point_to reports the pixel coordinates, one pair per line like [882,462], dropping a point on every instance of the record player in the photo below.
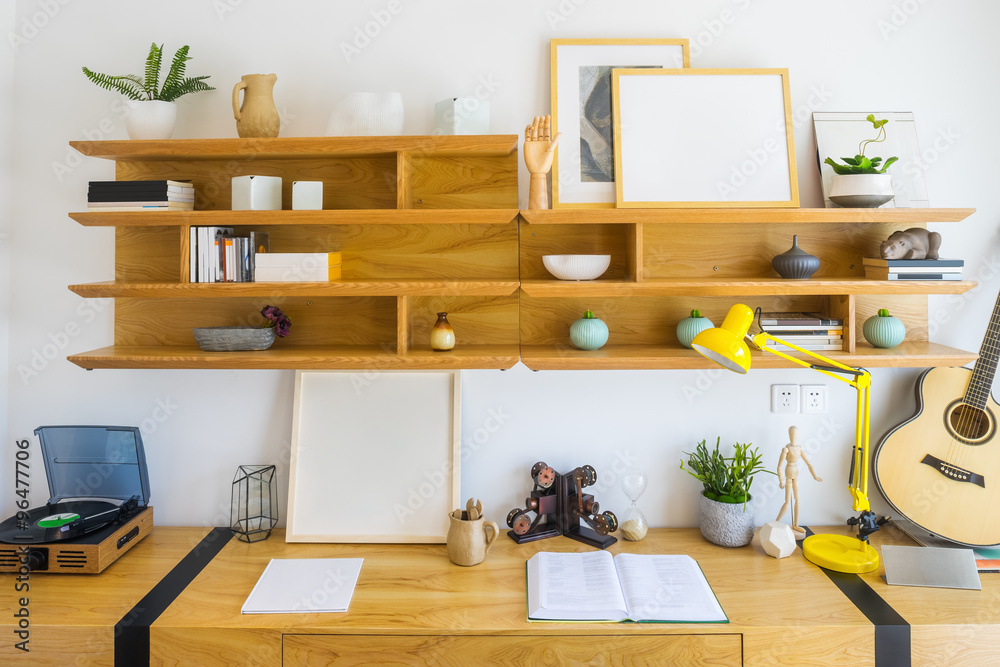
[98,504]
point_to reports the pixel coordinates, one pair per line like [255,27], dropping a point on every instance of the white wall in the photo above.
[934,59]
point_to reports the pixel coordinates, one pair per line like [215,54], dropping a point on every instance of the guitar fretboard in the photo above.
[986,366]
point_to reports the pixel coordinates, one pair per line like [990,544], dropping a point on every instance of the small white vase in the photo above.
[367,115]
[861,190]
[150,119]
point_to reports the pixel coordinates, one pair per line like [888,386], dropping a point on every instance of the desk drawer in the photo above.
[508,650]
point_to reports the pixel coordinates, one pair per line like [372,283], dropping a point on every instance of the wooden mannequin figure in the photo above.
[539,149]
[788,478]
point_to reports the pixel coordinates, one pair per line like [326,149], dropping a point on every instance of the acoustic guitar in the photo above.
[941,468]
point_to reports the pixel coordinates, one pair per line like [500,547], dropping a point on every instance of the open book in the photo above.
[596,586]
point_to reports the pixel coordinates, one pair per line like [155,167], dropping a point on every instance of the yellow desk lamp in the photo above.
[726,346]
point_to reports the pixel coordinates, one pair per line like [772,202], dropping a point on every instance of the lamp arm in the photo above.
[861,380]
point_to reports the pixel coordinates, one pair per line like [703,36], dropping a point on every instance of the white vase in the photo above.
[861,190]
[150,119]
[367,115]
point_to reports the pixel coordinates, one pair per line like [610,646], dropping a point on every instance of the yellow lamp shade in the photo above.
[726,345]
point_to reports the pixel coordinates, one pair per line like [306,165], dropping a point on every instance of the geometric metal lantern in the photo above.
[254,509]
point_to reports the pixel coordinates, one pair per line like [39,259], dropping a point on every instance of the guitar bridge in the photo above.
[954,472]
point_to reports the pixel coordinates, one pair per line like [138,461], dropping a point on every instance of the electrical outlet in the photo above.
[784,398]
[814,398]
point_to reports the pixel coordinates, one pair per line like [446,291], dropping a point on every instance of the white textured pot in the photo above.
[726,524]
[367,115]
[150,119]
[861,190]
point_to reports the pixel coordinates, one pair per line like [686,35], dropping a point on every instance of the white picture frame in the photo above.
[375,456]
[839,133]
[692,138]
[585,178]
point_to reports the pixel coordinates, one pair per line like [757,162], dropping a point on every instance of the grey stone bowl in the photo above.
[233,339]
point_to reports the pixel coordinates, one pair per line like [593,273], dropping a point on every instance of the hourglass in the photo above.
[634,524]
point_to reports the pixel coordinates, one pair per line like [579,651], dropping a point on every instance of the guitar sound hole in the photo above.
[971,425]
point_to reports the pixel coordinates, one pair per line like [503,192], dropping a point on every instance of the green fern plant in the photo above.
[148,87]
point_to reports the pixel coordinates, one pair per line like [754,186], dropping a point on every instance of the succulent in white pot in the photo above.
[151,108]
[862,182]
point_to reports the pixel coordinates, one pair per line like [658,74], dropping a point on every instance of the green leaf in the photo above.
[853,161]
[177,67]
[875,161]
[130,85]
[865,164]
[886,165]
[153,70]
[870,118]
[191,85]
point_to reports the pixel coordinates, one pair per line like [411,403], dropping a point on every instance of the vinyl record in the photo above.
[58,521]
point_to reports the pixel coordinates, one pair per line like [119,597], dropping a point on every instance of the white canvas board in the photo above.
[838,135]
[704,137]
[375,456]
[583,170]
[304,586]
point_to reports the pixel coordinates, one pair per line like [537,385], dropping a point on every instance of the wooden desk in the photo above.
[411,599]
[73,616]
[413,606]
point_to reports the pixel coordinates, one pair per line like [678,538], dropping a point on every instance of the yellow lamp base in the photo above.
[840,553]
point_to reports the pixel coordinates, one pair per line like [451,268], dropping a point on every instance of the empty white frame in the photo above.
[375,456]
[583,168]
[838,135]
[703,138]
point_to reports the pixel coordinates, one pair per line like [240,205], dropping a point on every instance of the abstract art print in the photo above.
[583,173]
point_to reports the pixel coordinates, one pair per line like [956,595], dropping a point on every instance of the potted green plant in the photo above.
[726,518]
[862,182]
[151,108]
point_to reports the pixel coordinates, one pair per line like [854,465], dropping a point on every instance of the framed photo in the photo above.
[583,169]
[838,135]
[689,138]
[375,456]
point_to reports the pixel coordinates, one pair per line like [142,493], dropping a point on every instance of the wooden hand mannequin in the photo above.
[539,149]
[788,478]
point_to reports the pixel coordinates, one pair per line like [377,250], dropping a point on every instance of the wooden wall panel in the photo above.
[469,182]
[147,254]
[476,320]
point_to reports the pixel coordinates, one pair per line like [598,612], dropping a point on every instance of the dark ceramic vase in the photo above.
[795,263]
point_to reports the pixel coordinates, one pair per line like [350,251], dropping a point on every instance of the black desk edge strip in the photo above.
[892,632]
[132,632]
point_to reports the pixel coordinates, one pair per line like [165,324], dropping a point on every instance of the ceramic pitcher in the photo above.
[468,541]
[257,116]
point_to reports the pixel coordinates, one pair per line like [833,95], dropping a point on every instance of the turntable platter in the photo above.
[58,521]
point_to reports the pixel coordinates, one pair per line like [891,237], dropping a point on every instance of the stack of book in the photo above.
[877,268]
[118,196]
[810,331]
[298,267]
[220,256]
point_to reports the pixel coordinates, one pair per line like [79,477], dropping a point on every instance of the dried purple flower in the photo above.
[276,318]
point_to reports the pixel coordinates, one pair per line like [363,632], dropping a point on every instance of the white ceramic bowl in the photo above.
[576,267]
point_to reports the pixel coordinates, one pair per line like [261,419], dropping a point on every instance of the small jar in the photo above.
[589,332]
[690,327]
[883,330]
[442,335]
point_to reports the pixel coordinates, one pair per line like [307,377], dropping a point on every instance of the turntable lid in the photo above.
[94,462]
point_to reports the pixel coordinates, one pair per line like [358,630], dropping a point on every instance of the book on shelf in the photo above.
[123,185]
[284,260]
[873,273]
[799,320]
[596,586]
[819,330]
[144,196]
[897,263]
[128,208]
[802,341]
[320,274]
[812,347]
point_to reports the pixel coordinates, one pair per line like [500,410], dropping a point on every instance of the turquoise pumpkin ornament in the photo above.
[883,330]
[588,332]
[691,326]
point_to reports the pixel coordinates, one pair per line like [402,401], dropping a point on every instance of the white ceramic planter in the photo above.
[150,119]
[861,190]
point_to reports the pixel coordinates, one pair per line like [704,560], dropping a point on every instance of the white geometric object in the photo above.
[307,195]
[366,115]
[462,115]
[256,193]
[777,539]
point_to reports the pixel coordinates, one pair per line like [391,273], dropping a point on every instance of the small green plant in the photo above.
[859,164]
[147,87]
[726,479]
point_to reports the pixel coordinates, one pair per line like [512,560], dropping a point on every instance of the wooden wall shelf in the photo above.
[430,223]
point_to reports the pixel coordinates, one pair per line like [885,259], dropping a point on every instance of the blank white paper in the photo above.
[304,586]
